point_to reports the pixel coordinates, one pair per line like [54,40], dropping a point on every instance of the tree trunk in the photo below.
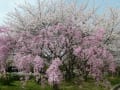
[56,87]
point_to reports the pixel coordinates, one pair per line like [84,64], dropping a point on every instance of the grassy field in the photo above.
[31,85]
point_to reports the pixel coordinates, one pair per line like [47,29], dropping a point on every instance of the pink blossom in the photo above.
[38,63]
[99,34]
[77,50]
[53,72]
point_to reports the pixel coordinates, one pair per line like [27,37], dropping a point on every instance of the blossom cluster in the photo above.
[98,59]
[4,48]
[53,72]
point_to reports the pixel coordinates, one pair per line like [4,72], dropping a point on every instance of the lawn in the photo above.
[31,85]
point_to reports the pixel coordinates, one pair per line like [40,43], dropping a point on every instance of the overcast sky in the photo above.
[9,5]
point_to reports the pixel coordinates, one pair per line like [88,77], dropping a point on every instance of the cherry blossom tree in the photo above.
[81,54]
[5,48]
[49,12]
[94,58]
[61,41]
[49,43]
[63,51]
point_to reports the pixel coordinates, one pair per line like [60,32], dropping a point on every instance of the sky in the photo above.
[9,5]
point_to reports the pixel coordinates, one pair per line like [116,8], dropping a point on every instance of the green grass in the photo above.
[31,85]
[114,80]
[67,86]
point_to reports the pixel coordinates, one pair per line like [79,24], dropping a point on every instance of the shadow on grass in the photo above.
[5,84]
